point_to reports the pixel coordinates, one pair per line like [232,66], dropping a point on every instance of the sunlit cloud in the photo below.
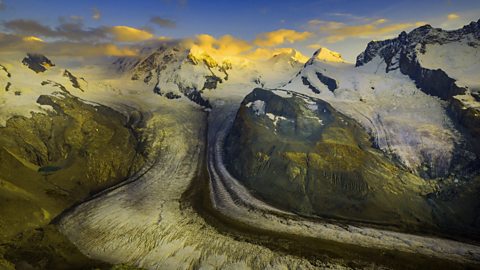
[225,47]
[96,14]
[280,37]
[314,46]
[453,16]
[379,28]
[32,39]
[230,48]
[267,53]
[129,34]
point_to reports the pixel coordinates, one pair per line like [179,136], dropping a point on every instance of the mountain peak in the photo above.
[326,55]
[291,54]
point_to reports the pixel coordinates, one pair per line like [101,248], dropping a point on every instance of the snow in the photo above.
[459,60]
[276,118]
[404,121]
[326,55]
[258,106]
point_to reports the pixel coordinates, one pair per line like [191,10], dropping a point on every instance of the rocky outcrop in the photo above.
[302,155]
[329,82]
[5,70]
[211,82]
[37,62]
[306,82]
[74,80]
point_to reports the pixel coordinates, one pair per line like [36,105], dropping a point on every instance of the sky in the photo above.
[253,28]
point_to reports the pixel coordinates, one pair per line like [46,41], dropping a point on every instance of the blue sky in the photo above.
[247,19]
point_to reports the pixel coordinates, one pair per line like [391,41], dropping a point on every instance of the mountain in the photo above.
[420,111]
[176,70]
[441,63]
[300,154]
[308,148]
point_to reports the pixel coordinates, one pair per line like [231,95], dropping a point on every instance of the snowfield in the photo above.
[404,121]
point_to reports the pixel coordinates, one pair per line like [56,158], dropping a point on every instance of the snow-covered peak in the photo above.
[289,55]
[326,55]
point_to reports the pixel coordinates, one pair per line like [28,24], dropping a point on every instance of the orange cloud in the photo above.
[279,37]
[129,34]
[339,31]
[32,39]
[453,16]
[267,53]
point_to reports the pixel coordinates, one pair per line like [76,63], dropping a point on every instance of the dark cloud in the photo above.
[2,5]
[163,22]
[28,27]
[71,28]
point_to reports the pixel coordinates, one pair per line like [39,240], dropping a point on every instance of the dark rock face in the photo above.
[211,82]
[169,95]
[433,82]
[406,43]
[195,96]
[7,86]
[37,62]
[73,79]
[55,84]
[306,82]
[329,82]
[4,69]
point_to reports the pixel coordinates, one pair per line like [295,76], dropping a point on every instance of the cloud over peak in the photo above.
[279,37]
[129,34]
[333,31]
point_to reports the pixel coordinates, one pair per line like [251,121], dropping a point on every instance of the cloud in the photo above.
[238,50]
[453,16]
[268,53]
[96,14]
[337,31]
[162,22]
[314,46]
[72,29]
[279,37]
[16,43]
[32,39]
[2,5]
[129,34]
[28,27]
[226,45]
[69,28]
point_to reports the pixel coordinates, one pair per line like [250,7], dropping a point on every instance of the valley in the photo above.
[181,158]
